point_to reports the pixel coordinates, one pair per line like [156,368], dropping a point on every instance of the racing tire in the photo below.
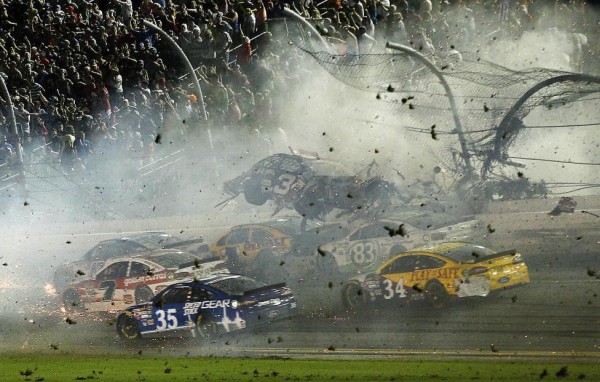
[311,204]
[435,294]
[254,192]
[312,209]
[127,327]
[72,301]
[353,295]
[143,294]
[206,328]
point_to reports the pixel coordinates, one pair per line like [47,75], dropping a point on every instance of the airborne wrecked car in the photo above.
[312,186]
[96,257]
[209,306]
[125,281]
[436,275]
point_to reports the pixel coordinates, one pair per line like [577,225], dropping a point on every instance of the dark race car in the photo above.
[312,186]
[96,257]
[209,306]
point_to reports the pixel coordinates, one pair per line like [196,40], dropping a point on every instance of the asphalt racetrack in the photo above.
[556,315]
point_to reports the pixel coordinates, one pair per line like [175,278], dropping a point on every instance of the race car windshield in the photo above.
[467,253]
[174,260]
[155,241]
[237,285]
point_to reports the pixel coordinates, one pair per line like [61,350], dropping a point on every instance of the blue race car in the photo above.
[208,306]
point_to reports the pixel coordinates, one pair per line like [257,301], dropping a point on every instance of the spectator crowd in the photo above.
[88,78]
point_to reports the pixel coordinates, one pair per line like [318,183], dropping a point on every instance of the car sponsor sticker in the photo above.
[144,279]
[428,274]
[193,307]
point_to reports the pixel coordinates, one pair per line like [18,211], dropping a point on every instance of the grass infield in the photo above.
[123,369]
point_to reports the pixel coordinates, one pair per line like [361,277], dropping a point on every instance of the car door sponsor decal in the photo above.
[193,307]
[440,273]
[145,279]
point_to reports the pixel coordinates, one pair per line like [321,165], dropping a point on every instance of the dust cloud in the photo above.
[60,220]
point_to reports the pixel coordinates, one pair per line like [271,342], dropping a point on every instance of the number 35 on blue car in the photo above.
[208,306]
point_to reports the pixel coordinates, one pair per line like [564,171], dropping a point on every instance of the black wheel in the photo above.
[311,203]
[353,295]
[206,328]
[127,327]
[435,294]
[254,192]
[72,300]
[143,294]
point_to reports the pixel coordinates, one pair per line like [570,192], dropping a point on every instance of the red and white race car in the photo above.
[94,259]
[125,281]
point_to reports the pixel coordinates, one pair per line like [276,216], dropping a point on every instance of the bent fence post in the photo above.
[185,59]
[190,68]
[506,122]
[440,76]
[15,132]
[293,15]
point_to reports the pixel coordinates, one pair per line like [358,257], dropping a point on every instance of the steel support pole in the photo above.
[440,76]
[185,59]
[190,68]
[293,15]
[15,132]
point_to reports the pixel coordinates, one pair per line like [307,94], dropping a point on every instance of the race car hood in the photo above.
[201,268]
[194,246]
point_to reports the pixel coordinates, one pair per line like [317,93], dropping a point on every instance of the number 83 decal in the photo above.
[363,254]
[392,289]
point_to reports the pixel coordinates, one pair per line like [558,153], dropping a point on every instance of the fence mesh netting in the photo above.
[484,93]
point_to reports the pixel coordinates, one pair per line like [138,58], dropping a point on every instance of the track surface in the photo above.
[556,314]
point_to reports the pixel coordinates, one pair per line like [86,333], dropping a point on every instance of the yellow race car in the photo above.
[275,249]
[245,242]
[438,274]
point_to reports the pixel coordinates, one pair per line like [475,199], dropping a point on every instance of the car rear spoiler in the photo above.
[200,261]
[496,255]
[266,287]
